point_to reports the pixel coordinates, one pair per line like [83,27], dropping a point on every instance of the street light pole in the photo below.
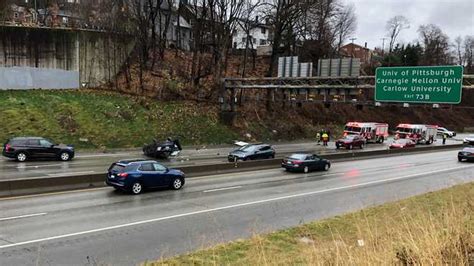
[352,52]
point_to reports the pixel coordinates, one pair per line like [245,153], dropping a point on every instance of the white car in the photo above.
[442,131]
[469,140]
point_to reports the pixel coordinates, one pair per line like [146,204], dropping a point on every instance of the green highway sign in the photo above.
[437,84]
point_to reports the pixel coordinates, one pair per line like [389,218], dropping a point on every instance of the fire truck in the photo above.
[420,134]
[372,132]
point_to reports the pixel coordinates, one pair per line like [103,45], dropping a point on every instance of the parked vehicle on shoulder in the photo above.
[135,176]
[443,131]
[370,131]
[402,144]
[419,133]
[25,148]
[469,140]
[467,154]
[351,141]
[305,162]
[163,150]
[251,152]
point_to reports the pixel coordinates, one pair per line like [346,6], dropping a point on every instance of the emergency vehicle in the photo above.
[420,134]
[372,132]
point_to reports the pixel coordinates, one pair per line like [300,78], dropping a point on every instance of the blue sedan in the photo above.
[137,175]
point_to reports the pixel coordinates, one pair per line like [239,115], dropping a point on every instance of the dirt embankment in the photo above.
[170,80]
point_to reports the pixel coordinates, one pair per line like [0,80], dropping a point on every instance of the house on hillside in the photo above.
[357,51]
[251,34]
[202,21]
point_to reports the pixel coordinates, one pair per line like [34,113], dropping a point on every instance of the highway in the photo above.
[104,227]
[93,163]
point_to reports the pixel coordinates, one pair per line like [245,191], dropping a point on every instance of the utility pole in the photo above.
[383,46]
[352,52]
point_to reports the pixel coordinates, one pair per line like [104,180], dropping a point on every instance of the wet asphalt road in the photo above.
[105,227]
[91,163]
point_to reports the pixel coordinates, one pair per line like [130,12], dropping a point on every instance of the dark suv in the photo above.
[136,175]
[251,152]
[24,148]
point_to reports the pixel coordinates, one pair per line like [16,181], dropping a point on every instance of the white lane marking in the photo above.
[220,189]
[105,155]
[37,166]
[22,216]
[225,208]
[71,173]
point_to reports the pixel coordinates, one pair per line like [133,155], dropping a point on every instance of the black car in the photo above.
[24,148]
[163,150]
[305,163]
[252,152]
[467,154]
[136,175]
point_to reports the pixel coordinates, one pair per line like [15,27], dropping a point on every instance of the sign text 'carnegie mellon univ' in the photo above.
[439,84]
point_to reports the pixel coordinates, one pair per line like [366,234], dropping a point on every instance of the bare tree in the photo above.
[345,24]
[394,26]
[469,53]
[435,44]
[458,43]
[4,8]
[248,23]
[283,15]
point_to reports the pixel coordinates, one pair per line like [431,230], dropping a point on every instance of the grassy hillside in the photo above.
[91,119]
[431,229]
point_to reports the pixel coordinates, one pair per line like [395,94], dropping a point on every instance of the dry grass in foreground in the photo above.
[432,229]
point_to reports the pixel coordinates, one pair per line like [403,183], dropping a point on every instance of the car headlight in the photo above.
[158,149]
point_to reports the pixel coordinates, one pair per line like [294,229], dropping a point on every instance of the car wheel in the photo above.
[21,157]
[326,167]
[177,184]
[459,159]
[137,188]
[306,169]
[362,145]
[350,147]
[64,156]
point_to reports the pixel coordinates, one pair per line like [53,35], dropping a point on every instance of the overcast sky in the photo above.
[454,17]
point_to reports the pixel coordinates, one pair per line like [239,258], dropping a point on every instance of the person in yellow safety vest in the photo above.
[325,139]
[318,137]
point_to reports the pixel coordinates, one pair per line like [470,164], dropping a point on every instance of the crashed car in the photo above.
[163,150]
[248,151]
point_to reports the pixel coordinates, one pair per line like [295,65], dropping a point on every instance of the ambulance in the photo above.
[419,133]
[372,132]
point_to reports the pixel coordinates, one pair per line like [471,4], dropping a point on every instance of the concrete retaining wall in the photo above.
[18,187]
[84,57]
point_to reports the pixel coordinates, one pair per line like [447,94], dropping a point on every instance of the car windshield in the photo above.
[350,137]
[247,148]
[404,130]
[402,141]
[298,157]
[45,143]
[352,129]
